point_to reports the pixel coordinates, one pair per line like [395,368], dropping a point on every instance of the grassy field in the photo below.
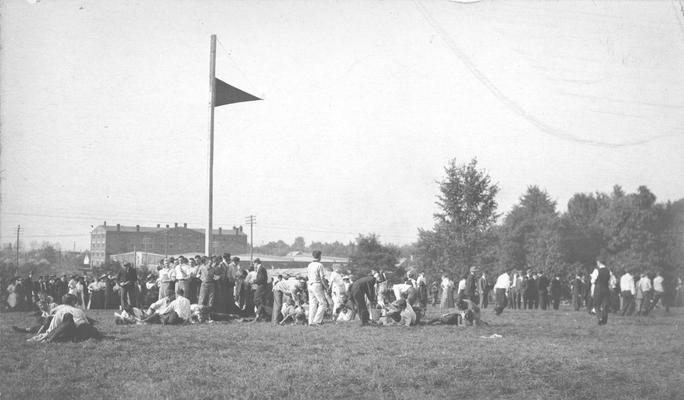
[542,355]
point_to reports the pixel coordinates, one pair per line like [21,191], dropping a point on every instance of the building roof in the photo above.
[127,228]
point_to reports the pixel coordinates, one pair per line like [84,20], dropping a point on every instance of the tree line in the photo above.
[629,231]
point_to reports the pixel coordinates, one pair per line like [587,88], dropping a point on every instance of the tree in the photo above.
[371,254]
[581,234]
[530,234]
[299,244]
[462,232]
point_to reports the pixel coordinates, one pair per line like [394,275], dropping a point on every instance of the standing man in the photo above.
[658,291]
[531,293]
[601,282]
[261,283]
[556,291]
[316,286]
[576,288]
[165,282]
[543,290]
[127,280]
[644,289]
[207,288]
[503,282]
[516,287]
[359,290]
[337,288]
[470,291]
[628,291]
[182,274]
[422,289]
[232,270]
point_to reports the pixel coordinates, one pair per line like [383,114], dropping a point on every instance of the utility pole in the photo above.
[210,164]
[251,220]
[18,230]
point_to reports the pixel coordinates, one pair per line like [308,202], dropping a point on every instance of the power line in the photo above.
[507,101]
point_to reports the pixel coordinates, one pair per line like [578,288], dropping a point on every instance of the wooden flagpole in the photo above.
[212,96]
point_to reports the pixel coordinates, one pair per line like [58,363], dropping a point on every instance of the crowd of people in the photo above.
[207,289]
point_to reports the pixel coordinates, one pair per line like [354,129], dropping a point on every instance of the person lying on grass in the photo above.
[468,313]
[129,315]
[399,312]
[69,323]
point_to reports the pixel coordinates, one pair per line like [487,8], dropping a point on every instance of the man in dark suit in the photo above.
[532,292]
[127,280]
[577,288]
[542,290]
[359,290]
[601,280]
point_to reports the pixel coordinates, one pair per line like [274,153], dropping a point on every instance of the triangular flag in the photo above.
[226,94]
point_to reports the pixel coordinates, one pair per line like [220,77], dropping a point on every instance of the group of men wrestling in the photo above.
[61,323]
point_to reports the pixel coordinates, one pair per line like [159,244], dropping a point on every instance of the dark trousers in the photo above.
[658,296]
[359,302]
[645,306]
[627,303]
[501,300]
[531,301]
[555,301]
[576,301]
[127,296]
[602,304]
[171,318]
[543,299]
[484,299]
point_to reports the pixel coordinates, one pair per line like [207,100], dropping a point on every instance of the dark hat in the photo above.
[236,259]
[171,259]
[127,264]
[257,261]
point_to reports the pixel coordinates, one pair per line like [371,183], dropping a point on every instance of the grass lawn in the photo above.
[542,355]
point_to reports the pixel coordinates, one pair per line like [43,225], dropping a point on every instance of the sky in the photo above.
[104,110]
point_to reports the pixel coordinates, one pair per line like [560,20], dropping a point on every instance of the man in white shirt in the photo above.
[644,294]
[503,282]
[165,282]
[182,274]
[658,291]
[178,311]
[337,288]
[316,285]
[627,291]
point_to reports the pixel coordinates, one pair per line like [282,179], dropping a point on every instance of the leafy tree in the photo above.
[278,248]
[634,231]
[371,254]
[299,244]
[462,231]
[530,234]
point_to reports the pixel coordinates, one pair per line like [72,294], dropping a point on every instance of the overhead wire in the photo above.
[509,102]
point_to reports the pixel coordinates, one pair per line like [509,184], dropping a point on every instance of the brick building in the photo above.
[106,240]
